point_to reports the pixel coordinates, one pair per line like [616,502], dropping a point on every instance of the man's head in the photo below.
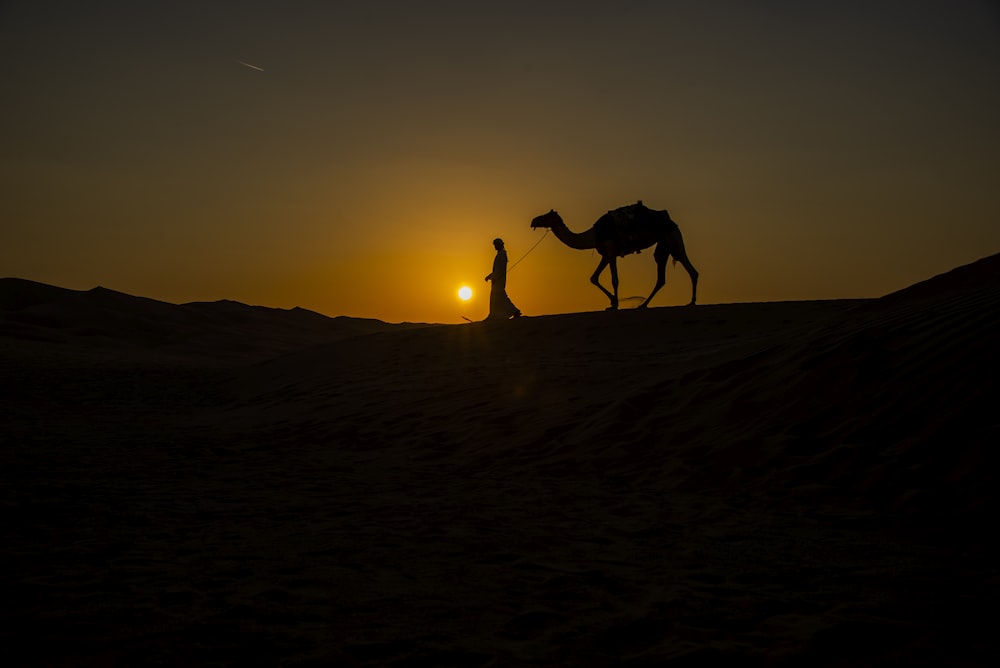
[498,244]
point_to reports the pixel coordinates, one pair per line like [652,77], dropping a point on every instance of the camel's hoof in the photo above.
[642,305]
[613,307]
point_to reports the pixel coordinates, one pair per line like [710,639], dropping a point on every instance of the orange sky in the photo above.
[806,153]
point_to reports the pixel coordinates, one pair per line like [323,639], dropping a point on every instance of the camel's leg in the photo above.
[595,279]
[661,254]
[614,282]
[680,254]
[693,273]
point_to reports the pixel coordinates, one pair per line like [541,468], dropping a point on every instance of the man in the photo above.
[501,307]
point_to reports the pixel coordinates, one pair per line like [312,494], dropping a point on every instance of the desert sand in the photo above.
[783,483]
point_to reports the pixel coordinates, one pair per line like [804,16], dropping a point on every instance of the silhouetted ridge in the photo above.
[19,293]
[102,318]
[983,273]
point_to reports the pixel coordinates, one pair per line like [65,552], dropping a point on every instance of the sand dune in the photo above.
[118,324]
[781,483]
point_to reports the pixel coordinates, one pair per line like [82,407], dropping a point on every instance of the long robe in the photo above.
[501,307]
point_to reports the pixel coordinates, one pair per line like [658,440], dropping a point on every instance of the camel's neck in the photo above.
[579,241]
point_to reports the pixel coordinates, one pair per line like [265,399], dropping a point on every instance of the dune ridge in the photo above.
[781,483]
[117,323]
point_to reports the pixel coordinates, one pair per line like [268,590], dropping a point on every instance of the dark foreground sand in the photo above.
[794,483]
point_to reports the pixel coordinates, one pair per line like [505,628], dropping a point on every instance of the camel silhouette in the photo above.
[628,229]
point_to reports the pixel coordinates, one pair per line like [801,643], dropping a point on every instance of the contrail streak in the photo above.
[253,67]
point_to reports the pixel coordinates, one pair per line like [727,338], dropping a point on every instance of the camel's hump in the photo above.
[632,227]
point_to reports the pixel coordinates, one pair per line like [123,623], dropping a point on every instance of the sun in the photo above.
[465,293]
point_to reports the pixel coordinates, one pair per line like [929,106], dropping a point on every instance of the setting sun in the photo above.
[465,293]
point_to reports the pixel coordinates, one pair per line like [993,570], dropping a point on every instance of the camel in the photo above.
[629,229]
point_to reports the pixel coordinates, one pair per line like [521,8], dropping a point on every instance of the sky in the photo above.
[358,158]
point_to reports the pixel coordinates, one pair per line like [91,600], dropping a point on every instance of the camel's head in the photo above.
[550,219]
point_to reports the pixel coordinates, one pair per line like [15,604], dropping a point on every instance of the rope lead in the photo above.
[511,267]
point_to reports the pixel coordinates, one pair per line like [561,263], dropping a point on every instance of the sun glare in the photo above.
[465,293]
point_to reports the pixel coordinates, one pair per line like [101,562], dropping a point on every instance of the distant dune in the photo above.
[780,483]
[105,320]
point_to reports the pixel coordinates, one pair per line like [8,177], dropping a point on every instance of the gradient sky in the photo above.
[807,150]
